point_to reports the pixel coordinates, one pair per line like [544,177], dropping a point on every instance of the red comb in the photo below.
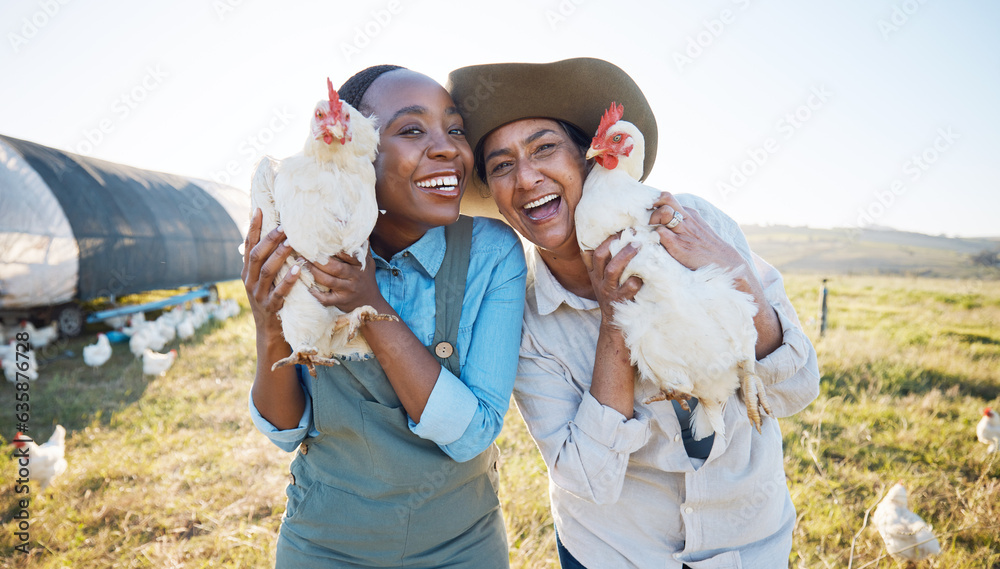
[611,116]
[334,97]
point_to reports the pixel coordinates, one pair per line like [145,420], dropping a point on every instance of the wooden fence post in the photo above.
[822,317]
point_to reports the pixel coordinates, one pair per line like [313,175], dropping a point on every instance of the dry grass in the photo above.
[169,472]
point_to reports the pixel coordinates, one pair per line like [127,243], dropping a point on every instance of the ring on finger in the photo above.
[675,220]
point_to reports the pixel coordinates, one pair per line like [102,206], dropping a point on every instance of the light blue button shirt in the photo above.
[464,414]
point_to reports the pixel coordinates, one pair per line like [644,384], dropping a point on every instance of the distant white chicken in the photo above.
[135,322]
[96,355]
[185,328]
[20,362]
[988,430]
[146,336]
[45,461]
[154,363]
[167,327]
[690,333]
[906,535]
[324,199]
[40,337]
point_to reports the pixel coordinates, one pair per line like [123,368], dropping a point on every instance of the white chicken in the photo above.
[154,363]
[690,333]
[324,199]
[185,328]
[906,535]
[146,336]
[20,366]
[988,430]
[45,461]
[40,337]
[97,354]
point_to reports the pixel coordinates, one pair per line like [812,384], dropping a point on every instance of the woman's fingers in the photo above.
[253,236]
[274,261]
[281,289]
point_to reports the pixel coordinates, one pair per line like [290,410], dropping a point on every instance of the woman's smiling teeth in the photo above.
[542,208]
[442,183]
[540,201]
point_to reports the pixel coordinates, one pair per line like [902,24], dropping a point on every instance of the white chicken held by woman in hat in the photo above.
[907,536]
[690,332]
[324,200]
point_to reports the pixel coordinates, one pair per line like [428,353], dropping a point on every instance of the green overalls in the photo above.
[367,492]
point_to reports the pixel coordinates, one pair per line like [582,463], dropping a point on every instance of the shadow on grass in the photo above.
[872,378]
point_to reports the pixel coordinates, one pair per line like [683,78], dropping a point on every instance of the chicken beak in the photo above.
[592,152]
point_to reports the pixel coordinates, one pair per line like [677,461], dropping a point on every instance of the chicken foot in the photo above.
[670,394]
[307,356]
[754,396]
[357,318]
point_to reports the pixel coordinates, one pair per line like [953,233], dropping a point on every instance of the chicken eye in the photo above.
[617,138]
[319,114]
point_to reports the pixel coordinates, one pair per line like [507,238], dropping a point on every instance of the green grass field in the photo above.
[169,472]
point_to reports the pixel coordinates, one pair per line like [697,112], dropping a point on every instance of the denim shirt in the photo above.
[463,415]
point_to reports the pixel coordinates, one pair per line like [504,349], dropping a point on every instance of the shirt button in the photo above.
[304,448]
[395,272]
[677,556]
[689,510]
[444,350]
[677,438]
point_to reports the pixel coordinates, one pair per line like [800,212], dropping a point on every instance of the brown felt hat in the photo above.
[577,91]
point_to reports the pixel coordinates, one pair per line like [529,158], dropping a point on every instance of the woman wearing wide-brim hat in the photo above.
[628,484]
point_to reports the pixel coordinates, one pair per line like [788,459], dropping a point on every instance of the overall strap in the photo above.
[449,292]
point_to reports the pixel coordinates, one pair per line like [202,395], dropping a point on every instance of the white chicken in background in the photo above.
[167,328]
[324,199]
[116,322]
[45,461]
[135,322]
[988,430]
[146,336]
[185,328]
[227,308]
[97,354]
[906,535]
[154,363]
[40,337]
[14,362]
[690,333]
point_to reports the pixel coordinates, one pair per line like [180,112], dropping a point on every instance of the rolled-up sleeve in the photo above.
[288,439]
[465,415]
[586,445]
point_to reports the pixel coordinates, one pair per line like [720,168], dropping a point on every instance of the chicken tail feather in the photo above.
[707,418]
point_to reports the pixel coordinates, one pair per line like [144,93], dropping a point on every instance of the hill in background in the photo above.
[871,251]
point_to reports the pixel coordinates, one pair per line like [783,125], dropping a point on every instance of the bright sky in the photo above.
[828,114]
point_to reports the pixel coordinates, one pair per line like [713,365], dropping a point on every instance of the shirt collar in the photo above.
[549,294]
[428,251]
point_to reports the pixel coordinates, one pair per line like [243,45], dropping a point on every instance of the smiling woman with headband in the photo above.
[629,485]
[396,465]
